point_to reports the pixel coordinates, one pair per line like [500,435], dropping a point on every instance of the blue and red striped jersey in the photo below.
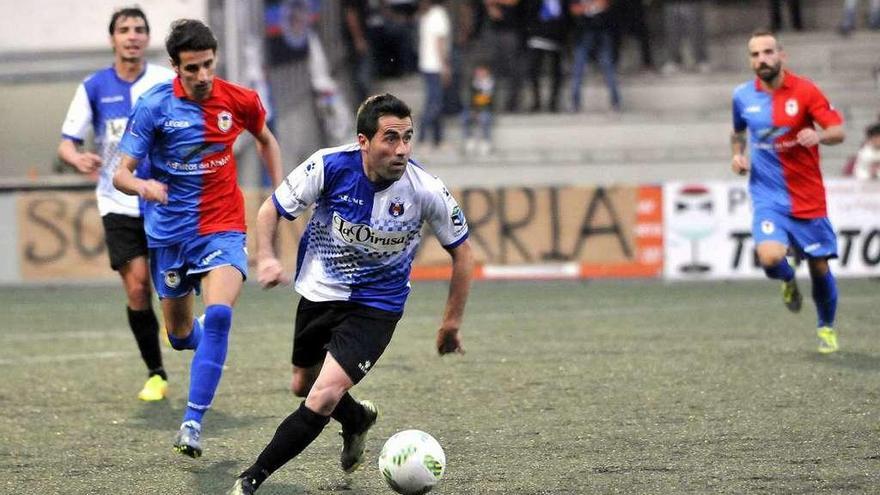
[190,147]
[785,176]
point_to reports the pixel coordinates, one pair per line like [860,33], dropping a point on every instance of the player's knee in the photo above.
[323,399]
[770,260]
[301,384]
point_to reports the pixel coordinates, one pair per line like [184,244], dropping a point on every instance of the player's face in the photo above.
[387,153]
[196,71]
[130,38]
[765,56]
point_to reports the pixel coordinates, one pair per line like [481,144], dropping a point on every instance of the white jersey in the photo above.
[103,102]
[361,241]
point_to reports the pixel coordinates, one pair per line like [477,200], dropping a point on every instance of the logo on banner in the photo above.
[224,121]
[695,221]
[791,107]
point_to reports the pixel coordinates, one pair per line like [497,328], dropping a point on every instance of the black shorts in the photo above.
[125,238]
[356,335]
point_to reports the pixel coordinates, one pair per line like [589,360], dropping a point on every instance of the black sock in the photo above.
[348,412]
[145,328]
[293,435]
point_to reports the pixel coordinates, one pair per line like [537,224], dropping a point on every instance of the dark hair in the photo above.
[376,106]
[125,13]
[872,130]
[189,35]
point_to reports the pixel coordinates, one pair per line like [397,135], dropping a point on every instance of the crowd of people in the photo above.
[483,56]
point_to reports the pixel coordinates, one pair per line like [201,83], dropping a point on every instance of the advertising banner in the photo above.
[707,229]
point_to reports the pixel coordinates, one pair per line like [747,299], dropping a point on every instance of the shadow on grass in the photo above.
[856,361]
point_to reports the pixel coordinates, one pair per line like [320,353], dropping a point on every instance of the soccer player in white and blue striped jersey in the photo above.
[371,201]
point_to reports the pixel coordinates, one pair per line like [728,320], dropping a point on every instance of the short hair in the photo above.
[376,106]
[125,13]
[872,130]
[189,35]
[765,32]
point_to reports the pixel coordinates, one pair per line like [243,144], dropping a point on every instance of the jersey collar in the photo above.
[787,81]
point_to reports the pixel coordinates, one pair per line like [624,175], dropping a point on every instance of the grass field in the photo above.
[566,388]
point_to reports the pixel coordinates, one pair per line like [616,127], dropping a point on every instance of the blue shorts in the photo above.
[177,270]
[811,238]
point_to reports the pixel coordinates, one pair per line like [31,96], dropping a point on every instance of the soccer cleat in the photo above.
[353,443]
[242,486]
[827,340]
[155,389]
[187,440]
[791,296]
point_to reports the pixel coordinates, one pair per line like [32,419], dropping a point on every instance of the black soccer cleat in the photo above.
[243,486]
[353,443]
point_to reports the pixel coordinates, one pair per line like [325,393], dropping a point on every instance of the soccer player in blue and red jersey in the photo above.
[194,214]
[353,274]
[102,103]
[781,110]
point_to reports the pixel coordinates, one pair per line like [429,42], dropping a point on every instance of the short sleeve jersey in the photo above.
[102,103]
[361,240]
[190,146]
[785,176]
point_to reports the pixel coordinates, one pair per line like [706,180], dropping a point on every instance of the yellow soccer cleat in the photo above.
[827,340]
[155,389]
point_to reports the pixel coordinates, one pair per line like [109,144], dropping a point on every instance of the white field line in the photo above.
[527,313]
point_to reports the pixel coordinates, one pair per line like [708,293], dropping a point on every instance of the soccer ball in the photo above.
[412,462]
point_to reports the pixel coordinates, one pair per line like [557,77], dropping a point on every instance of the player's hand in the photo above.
[808,137]
[448,341]
[87,162]
[270,273]
[153,190]
[740,165]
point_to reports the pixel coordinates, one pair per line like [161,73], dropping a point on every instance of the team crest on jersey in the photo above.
[224,121]
[767,227]
[791,107]
[172,279]
[396,207]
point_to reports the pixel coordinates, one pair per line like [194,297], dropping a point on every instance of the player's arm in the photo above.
[125,180]
[829,136]
[739,163]
[270,272]
[448,339]
[85,162]
[270,152]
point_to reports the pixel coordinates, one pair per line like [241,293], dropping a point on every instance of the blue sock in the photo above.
[191,341]
[207,363]
[782,271]
[825,297]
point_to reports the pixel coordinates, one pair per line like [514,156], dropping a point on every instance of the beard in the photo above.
[768,73]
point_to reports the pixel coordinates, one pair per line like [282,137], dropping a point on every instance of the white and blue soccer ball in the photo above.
[412,462]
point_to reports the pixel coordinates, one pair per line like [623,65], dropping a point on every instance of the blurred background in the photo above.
[626,176]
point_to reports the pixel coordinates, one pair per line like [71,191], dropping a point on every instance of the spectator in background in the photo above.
[359,21]
[592,30]
[628,17]
[479,111]
[546,27]
[794,9]
[850,12]
[434,46]
[685,20]
[400,31]
[504,35]
[866,164]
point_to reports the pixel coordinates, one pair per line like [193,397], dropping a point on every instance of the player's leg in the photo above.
[821,244]
[770,232]
[127,248]
[144,326]
[301,427]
